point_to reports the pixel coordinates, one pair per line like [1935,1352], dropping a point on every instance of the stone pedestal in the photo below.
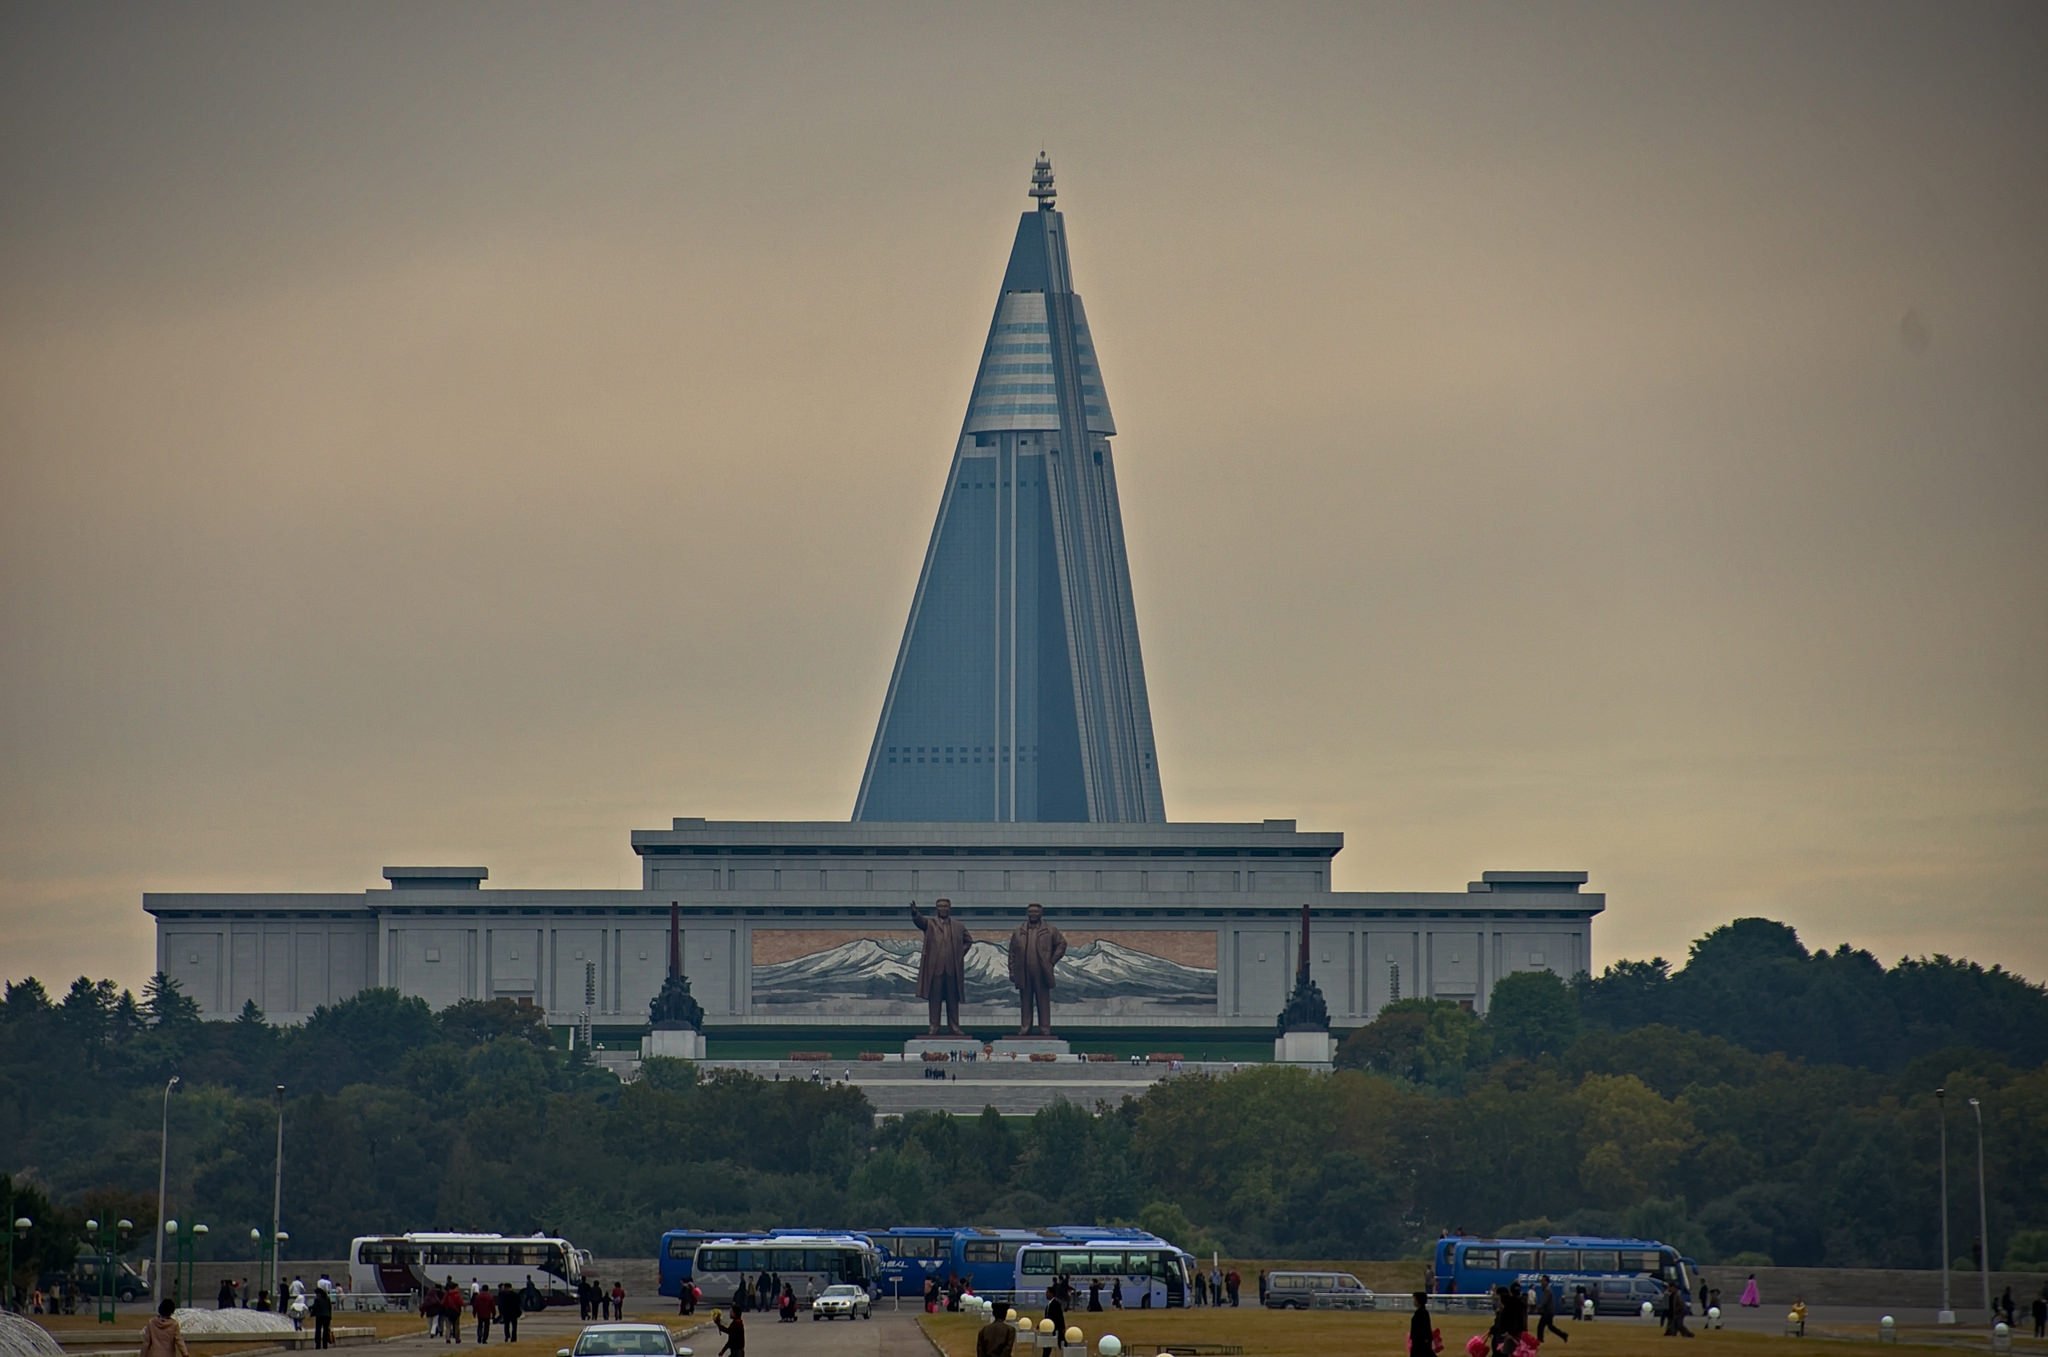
[1305,1048]
[1025,1047]
[915,1048]
[674,1043]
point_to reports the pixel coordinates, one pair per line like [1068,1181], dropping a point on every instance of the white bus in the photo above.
[1142,1268]
[806,1263]
[398,1265]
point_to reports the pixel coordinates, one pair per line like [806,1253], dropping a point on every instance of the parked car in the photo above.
[623,1340]
[842,1298]
[1316,1291]
[1626,1297]
[84,1279]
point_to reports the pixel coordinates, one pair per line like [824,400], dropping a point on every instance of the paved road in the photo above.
[887,1333]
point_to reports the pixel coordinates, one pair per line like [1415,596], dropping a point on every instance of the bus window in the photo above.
[1103,1264]
[1644,1261]
[1482,1259]
[1600,1260]
[1038,1263]
[1560,1260]
[1072,1263]
[983,1251]
[1518,1260]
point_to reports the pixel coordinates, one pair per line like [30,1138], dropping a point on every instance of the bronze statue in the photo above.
[1035,949]
[942,966]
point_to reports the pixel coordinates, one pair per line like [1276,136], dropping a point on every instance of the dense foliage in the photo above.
[1760,1103]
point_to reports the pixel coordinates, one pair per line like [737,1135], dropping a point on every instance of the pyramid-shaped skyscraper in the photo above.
[1019,690]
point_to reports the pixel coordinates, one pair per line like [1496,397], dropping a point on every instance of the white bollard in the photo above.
[1648,1309]
[2001,1337]
[1109,1345]
[1887,1330]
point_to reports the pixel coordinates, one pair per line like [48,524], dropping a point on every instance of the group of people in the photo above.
[446,1307]
[594,1302]
[1217,1287]
[765,1292]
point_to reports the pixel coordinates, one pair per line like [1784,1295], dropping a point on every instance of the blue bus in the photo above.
[677,1261]
[912,1255]
[986,1258]
[1617,1275]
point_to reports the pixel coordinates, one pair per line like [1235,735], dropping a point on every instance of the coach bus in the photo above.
[912,1255]
[397,1265]
[1616,1274]
[678,1259]
[807,1263]
[1152,1273]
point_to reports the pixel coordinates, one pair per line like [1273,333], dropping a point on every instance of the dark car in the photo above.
[83,1281]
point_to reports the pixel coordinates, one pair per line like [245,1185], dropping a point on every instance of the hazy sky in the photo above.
[1609,437]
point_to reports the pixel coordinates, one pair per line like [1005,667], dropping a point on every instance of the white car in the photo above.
[843,1298]
[624,1340]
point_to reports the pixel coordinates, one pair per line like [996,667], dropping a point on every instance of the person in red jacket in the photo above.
[483,1305]
[451,1312]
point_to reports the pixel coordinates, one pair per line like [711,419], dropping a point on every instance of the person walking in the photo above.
[484,1305]
[618,1300]
[1674,1313]
[735,1334]
[322,1306]
[1546,1311]
[1421,1333]
[1749,1299]
[1232,1280]
[1201,1288]
[508,1312]
[162,1337]
[451,1312]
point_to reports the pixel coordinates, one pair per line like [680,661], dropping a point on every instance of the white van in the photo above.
[1316,1291]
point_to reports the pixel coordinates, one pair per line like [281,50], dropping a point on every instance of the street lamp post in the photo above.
[1947,1313]
[277,1190]
[256,1241]
[1983,1218]
[163,1160]
[19,1226]
[183,1267]
[107,1238]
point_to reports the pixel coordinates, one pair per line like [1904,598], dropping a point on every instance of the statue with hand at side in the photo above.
[1035,949]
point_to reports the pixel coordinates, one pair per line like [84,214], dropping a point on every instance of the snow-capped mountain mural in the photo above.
[1099,975]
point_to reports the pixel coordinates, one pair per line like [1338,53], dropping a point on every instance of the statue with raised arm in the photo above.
[1035,949]
[942,965]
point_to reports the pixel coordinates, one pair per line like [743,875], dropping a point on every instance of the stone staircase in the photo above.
[1015,1088]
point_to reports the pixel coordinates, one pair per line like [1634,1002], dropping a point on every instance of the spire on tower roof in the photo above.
[1041,182]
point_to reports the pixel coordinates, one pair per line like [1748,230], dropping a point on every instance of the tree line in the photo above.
[1760,1104]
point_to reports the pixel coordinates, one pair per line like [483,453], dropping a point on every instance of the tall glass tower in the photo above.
[1019,692]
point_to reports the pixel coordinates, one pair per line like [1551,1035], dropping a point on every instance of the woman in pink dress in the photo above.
[1749,1295]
